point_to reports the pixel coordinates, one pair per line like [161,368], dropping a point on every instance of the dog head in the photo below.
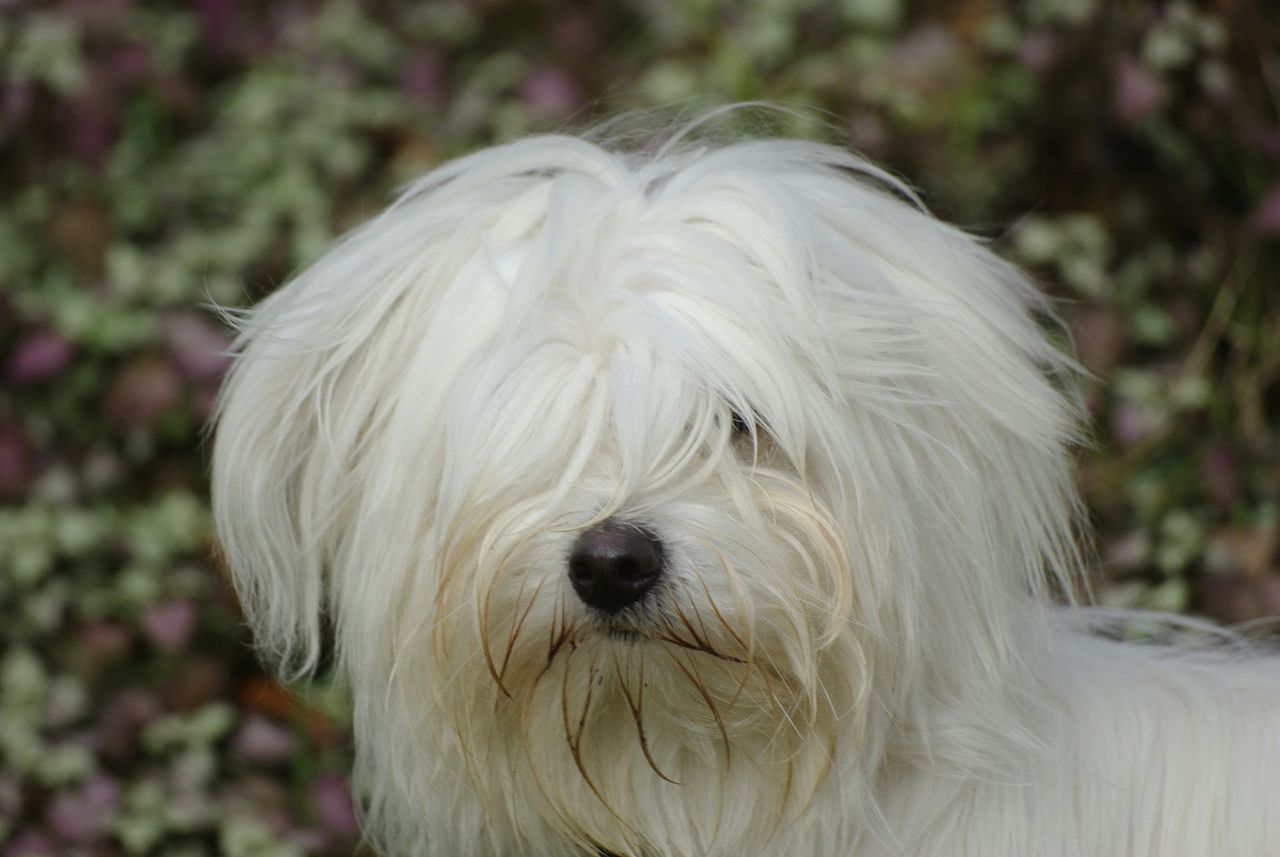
[656,498]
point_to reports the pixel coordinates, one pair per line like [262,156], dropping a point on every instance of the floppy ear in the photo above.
[310,388]
[265,473]
[287,430]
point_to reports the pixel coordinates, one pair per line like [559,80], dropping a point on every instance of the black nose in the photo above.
[613,565]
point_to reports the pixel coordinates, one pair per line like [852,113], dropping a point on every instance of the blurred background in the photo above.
[158,156]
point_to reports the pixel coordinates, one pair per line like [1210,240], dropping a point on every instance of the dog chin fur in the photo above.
[846,423]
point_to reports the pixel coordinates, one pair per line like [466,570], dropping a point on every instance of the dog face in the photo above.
[648,494]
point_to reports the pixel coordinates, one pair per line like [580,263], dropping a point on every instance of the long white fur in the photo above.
[854,651]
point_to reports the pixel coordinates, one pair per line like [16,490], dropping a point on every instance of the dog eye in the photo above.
[741,428]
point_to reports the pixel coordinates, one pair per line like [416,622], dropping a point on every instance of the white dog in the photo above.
[708,499]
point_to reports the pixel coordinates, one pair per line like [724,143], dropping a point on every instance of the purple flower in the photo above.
[868,133]
[332,806]
[1127,552]
[217,23]
[30,843]
[1039,52]
[130,62]
[122,719]
[85,814]
[169,625]
[1218,471]
[1136,92]
[197,346]
[1266,217]
[1131,424]
[422,78]
[550,92]
[39,355]
[262,741]
[90,122]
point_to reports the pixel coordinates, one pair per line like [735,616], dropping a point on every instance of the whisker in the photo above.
[691,673]
[519,623]
[636,705]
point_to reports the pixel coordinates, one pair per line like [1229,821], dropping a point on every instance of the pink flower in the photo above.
[84,815]
[123,718]
[1039,52]
[217,23]
[331,803]
[422,78]
[130,62]
[1131,424]
[1266,217]
[39,355]
[1218,471]
[262,741]
[1136,93]
[197,346]
[30,843]
[1127,552]
[169,625]
[550,92]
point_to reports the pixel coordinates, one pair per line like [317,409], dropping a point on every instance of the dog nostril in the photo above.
[613,566]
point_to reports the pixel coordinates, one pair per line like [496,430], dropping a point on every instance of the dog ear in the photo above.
[302,404]
[271,501]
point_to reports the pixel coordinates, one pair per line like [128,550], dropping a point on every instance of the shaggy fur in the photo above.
[846,424]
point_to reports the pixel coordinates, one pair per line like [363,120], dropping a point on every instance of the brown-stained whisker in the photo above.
[519,623]
[684,620]
[711,602]
[745,645]
[691,673]
[566,636]
[575,741]
[486,649]
[699,646]
[636,704]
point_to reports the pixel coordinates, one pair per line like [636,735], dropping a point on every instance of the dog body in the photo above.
[1149,756]
[707,500]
